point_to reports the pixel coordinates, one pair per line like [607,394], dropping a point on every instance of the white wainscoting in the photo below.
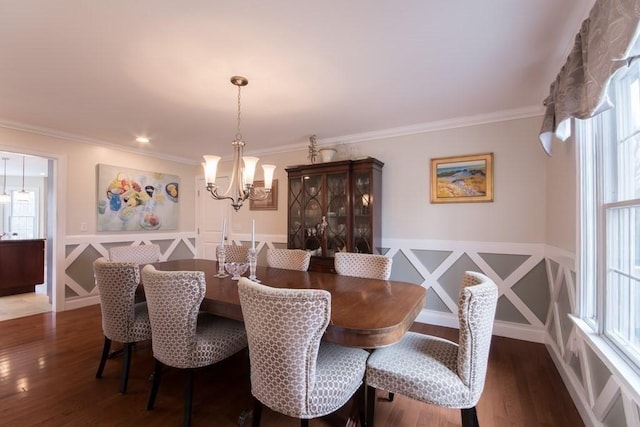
[601,395]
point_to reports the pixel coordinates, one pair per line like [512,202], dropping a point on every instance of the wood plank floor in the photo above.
[47,378]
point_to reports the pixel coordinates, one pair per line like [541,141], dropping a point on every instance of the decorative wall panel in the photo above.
[598,392]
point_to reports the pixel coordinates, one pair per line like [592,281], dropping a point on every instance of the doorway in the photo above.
[28,214]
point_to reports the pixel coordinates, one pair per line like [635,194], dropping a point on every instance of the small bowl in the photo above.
[236,269]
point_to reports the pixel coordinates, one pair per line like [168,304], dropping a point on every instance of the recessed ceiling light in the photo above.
[142,139]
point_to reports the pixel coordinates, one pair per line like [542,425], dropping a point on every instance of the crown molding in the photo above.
[459,122]
[86,140]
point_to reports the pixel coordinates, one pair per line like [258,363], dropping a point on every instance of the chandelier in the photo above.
[4,197]
[22,196]
[241,185]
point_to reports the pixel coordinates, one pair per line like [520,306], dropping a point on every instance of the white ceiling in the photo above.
[107,71]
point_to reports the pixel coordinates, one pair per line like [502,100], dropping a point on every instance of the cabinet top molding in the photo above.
[336,163]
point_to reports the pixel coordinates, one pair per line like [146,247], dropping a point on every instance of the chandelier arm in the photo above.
[236,203]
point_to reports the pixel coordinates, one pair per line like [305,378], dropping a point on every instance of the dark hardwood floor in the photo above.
[47,377]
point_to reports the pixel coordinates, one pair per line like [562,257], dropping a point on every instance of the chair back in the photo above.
[284,328]
[476,310]
[141,254]
[235,253]
[117,283]
[289,259]
[368,266]
[173,300]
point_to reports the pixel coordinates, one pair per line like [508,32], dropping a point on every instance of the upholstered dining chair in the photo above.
[235,253]
[289,259]
[368,266]
[184,337]
[292,371]
[437,371]
[122,319]
[141,254]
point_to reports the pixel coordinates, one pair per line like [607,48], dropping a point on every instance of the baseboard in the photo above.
[71,304]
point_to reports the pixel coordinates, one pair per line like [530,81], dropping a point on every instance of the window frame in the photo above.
[598,197]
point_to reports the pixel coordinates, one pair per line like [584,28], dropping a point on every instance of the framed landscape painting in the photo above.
[462,179]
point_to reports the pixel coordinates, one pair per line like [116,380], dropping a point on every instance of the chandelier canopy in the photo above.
[241,185]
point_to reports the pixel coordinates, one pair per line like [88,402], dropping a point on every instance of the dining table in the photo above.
[365,313]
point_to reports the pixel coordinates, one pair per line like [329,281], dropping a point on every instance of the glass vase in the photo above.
[221,255]
[252,258]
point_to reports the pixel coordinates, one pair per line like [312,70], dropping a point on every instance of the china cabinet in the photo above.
[334,206]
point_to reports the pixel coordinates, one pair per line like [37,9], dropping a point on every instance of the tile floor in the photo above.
[21,305]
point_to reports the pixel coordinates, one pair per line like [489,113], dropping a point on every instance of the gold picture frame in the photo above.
[462,179]
[270,203]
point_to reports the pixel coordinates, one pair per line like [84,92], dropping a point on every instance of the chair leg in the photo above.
[157,373]
[361,400]
[469,417]
[103,358]
[257,413]
[188,397]
[371,405]
[126,364]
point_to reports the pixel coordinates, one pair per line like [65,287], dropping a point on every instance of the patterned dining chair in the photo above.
[184,337]
[235,253]
[122,319]
[141,254]
[368,266]
[437,371]
[289,259]
[292,371]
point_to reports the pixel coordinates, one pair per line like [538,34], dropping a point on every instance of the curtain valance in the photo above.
[608,39]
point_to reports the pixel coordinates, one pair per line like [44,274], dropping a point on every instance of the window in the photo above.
[609,161]
[21,219]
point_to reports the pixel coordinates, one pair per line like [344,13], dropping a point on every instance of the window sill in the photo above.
[619,367]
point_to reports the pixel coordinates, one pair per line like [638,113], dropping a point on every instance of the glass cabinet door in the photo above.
[313,212]
[362,203]
[336,215]
[296,222]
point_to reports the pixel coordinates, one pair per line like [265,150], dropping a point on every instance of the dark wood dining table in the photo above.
[365,313]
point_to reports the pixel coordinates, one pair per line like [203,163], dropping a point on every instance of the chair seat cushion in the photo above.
[216,339]
[339,373]
[420,367]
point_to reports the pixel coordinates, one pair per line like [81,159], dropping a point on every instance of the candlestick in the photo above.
[253,234]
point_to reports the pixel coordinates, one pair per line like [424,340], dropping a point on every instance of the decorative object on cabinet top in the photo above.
[327,154]
[313,150]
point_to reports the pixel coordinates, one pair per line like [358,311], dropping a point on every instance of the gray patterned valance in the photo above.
[608,39]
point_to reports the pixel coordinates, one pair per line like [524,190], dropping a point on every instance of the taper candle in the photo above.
[224,226]
[253,234]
